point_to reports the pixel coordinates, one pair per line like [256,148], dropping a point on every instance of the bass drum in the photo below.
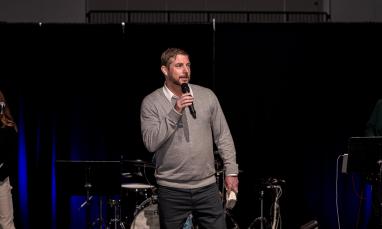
[147,215]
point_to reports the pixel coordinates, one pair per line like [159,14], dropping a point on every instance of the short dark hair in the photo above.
[171,53]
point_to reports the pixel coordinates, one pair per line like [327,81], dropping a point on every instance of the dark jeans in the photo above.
[204,203]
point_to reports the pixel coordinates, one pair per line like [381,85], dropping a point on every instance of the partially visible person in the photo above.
[374,125]
[374,128]
[180,122]
[8,144]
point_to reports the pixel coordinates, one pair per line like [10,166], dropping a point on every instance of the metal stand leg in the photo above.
[261,219]
[115,221]
[99,221]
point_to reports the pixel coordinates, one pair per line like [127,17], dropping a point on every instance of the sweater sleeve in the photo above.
[156,125]
[223,138]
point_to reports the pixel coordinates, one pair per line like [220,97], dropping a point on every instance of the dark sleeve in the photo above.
[8,148]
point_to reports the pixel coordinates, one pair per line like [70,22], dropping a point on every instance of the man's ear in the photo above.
[164,70]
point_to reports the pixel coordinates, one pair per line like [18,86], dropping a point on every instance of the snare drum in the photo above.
[133,194]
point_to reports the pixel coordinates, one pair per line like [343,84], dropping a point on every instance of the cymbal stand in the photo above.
[88,186]
[99,221]
[261,218]
[89,197]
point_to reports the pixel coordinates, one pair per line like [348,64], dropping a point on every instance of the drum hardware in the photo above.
[88,187]
[115,221]
[127,175]
[231,224]
[136,187]
[138,169]
[99,221]
[139,189]
[96,180]
[134,196]
[313,224]
[261,219]
[274,185]
[141,163]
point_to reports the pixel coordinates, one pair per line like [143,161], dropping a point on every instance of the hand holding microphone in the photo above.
[186,89]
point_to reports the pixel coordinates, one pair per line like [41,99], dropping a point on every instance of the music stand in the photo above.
[365,155]
[88,178]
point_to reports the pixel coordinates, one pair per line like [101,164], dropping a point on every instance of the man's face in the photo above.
[179,70]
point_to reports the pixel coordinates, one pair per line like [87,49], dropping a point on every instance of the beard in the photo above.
[180,80]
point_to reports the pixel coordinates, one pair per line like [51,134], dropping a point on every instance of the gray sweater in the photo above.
[184,145]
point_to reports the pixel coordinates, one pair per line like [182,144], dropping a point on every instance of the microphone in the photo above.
[186,89]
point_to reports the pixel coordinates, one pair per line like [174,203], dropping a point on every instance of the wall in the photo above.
[56,11]
[72,11]
[210,5]
[356,11]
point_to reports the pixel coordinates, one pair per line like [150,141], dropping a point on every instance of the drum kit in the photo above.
[138,202]
[137,207]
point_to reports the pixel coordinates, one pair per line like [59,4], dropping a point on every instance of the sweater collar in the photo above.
[169,93]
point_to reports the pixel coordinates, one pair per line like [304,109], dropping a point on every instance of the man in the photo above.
[182,140]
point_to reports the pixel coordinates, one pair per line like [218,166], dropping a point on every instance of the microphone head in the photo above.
[185,88]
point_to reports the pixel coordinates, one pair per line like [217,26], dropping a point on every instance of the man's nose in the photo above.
[186,69]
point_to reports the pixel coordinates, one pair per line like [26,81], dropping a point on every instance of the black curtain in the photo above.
[292,95]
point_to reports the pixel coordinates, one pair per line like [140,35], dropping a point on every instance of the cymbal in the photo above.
[127,175]
[139,162]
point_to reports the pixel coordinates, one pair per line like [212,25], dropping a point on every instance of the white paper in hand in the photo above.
[230,200]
